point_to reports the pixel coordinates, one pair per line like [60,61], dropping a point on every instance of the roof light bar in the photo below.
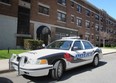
[73,37]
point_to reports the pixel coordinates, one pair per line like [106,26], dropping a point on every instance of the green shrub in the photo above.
[32,44]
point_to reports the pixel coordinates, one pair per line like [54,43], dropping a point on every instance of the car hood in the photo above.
[40,53]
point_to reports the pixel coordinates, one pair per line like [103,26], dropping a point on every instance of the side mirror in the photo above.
[43,45]
[75,48]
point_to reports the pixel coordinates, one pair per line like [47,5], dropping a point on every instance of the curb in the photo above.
[6,71]
[109,53]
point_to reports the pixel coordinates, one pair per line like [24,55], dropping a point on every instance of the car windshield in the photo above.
[63,45]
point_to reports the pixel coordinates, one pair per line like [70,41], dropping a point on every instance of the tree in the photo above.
[105,36]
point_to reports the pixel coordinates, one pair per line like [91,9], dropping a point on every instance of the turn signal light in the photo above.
[43,61]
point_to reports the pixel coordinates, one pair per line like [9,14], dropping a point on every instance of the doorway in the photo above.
[44,33]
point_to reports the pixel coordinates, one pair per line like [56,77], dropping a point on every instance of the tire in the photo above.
[95,62]
[57,71]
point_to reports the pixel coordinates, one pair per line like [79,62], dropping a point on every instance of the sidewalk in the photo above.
[106,51]
[4,66]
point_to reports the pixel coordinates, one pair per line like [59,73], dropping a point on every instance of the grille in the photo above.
[19,58]
[25,60]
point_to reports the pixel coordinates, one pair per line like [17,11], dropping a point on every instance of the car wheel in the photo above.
[95,61]
[57,70]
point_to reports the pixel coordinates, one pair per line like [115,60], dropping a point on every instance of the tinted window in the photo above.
[87,45]
[78,45]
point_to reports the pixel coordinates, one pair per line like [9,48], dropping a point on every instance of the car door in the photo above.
[77,51]
[88,50]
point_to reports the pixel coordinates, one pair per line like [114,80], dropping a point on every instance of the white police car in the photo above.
[57,57]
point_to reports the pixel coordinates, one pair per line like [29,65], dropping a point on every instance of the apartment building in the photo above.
[50,20]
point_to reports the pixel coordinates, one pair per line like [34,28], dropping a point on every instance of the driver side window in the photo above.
[77,46]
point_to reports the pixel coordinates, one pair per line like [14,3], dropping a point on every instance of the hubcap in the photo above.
[60,69]
[96,61]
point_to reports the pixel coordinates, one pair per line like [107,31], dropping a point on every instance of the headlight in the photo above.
[42,61]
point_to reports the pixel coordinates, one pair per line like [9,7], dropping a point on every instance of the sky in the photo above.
[108,5]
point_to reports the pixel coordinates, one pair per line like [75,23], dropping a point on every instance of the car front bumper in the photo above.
[32,69]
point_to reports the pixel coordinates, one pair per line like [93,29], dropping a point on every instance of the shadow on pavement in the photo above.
[68,74]
[5,80]
[80,70]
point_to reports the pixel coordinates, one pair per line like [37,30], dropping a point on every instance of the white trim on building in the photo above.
[37,24]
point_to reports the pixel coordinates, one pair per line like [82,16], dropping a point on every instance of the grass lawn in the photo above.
[5,55]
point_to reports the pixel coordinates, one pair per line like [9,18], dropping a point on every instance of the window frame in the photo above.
[91,46]
[88,12]
[72,18]
[75,46]
[97,16]
[43,9]
[61,2]
[97,27]
[97,38]
[87,24]
[72,4]
[79,8]
[61,16]
[79,22]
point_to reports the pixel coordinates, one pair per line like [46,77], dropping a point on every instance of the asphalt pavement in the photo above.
[104,73]
[4,64]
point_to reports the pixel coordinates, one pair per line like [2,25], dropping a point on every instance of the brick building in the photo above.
[53,19]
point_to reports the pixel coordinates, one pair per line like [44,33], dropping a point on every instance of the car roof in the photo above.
[70,39]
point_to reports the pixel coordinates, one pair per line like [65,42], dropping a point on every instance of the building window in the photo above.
[92,14]
[43,9]
[79,22]
[27,1]
[97,27]
[72,4]
[72,18]
[79,8]
[61,16]
[101,19]
[5,1]
[101,28]
[107,21]
[88,12]
[87,37]
[87,24]
[23,20]
[96,17]
[92,25]
[92,36]
[97,38]
[63,2]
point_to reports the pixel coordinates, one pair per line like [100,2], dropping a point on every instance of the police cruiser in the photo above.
[57,57]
